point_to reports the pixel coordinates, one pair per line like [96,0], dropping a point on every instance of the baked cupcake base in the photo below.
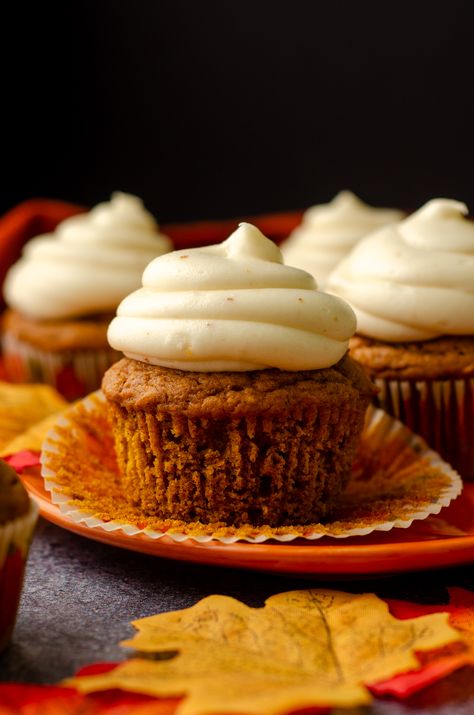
[262,447]
[428,386]
[395,480]
[71,356]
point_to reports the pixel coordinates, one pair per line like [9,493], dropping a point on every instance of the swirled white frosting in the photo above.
[88,264]
[413,280]
[232,306]
[329,231]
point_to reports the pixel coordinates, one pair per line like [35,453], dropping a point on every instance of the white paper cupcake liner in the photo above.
[441,411]
[383,435]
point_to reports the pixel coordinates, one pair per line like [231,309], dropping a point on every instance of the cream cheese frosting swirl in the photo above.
[88,264]
[231,307]
[329,231]
[413,280]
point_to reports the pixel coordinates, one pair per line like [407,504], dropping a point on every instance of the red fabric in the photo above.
[53,700]
[21,699]
[22,460]
[407,684]
[201,233]
[18,699]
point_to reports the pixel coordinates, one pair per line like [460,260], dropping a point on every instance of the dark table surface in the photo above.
[80,596]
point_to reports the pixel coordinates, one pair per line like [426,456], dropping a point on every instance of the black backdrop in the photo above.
[219,108]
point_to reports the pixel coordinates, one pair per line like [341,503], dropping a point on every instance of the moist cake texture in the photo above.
[262,447]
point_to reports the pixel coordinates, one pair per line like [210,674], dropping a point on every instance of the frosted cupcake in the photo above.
[18,515]
[411,285]
[329,231]
[65,288]
[237,402]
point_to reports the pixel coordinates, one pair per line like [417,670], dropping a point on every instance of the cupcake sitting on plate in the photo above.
[236,402]
[65,288]
[329,231]
[18,515]
[411,285]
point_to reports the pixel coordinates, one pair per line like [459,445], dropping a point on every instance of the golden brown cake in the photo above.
[448,357]
[261,447]
[71,355]
[58,335]
[236,403]
[430,387]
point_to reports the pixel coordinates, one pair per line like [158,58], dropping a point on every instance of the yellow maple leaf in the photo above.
[302,649]
[32,438]
[22,407]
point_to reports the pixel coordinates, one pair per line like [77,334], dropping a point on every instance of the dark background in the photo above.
[218,108]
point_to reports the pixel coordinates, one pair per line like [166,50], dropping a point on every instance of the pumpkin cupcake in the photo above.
[329,231]
[237,402]
[412,287]
[65,288]
[18,516]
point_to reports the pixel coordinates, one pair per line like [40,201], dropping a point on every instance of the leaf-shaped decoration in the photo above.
[302,649]
[461,615]
[21,408]
[441,663]
[21,699]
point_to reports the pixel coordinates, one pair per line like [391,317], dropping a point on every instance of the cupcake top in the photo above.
[329,231]
[413,280]
[88,264]
[231,307]
[14,500]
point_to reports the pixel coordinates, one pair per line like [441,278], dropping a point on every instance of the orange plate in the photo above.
[432,543]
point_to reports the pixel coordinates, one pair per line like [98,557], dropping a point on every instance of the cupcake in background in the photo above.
[329,231]
[65,288]
[237,402]
[411,285]
[18,515]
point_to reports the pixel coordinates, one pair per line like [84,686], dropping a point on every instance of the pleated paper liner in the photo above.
[395,480]
[441,411]
[74,373]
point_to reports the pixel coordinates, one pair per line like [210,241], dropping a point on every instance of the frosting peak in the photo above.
[248,241]
[231,307]
[122,208]
[413,280]
[329,231]
[88,264]
[122,221]
[439,209]
[439,225]
[344,205]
